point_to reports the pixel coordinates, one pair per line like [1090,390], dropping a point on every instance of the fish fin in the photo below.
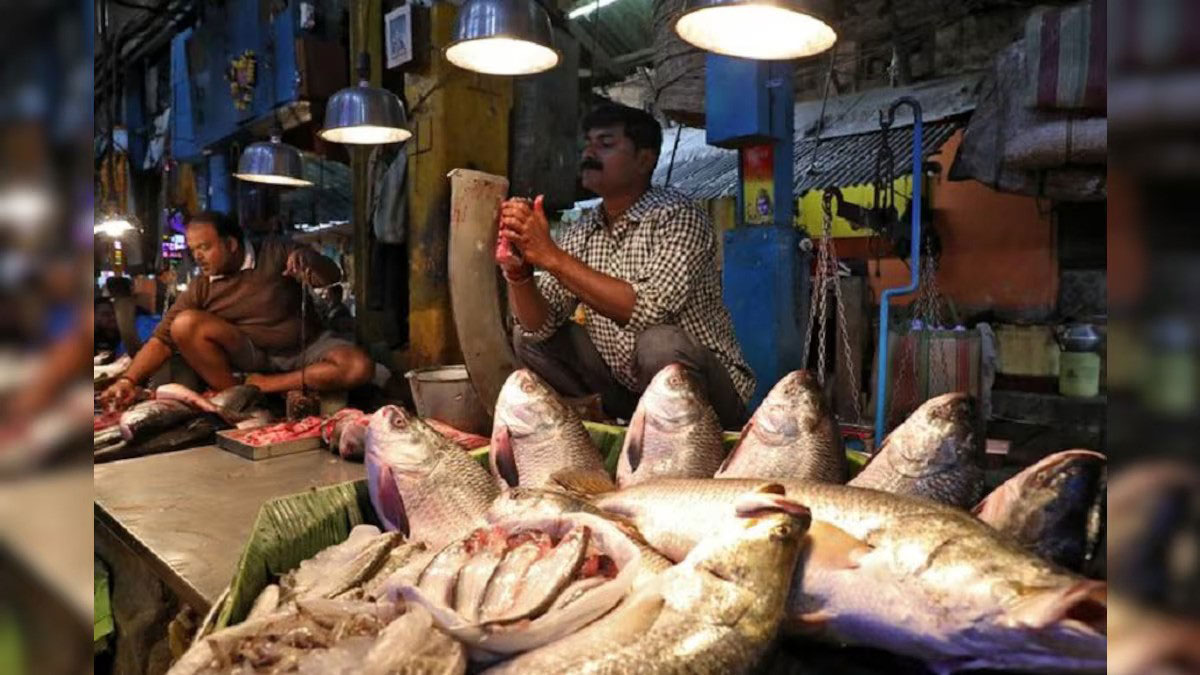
[1085,601]
[391,503]
[753,504]
[991,508]
[583,482]
[504,462]
[808,623]
[831,547]
[736,447]
[631,451]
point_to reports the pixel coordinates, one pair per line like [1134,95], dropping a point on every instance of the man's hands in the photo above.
[299,267]
[119,394]
[525,225]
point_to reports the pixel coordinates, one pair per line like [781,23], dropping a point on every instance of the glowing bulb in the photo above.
[113,227]
[270,179]
[755,31]
[25,206]
[366,135]
[502,56]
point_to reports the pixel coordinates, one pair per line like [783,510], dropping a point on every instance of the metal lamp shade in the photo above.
[273,163]
[503,37]
[775,30]
[365,115]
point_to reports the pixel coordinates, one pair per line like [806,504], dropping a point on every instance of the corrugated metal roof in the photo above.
[850,160]
[618,28]
[705,172]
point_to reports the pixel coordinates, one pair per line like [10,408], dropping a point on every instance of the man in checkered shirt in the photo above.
[644,267]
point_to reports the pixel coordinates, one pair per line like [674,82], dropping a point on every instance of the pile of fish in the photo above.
[692,561]
[175,417]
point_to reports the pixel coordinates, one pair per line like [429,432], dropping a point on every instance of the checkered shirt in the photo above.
[666,247]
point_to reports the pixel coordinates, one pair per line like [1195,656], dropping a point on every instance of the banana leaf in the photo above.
[289,530]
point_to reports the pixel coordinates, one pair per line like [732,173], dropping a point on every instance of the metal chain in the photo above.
[817,301]
[928,308]
[826,276]
[851,371]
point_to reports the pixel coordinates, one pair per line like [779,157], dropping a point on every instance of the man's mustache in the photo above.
[591,163]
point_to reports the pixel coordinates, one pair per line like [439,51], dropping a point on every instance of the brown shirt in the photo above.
[257,299]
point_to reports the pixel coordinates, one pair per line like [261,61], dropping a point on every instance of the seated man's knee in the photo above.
[356,367]
[659,346]
[187,325]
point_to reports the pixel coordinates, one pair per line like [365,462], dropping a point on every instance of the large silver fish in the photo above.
[422,484]
[899,573]
[793,434]
[937,453]
[175,404]
[674,433]
[535,435]
[716,612]
[149,417]
[1047,507]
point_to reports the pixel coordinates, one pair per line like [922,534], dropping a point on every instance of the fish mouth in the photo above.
[776,421]
[522,420]
[1066,457]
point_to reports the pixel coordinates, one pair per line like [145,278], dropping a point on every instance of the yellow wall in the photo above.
[810,215]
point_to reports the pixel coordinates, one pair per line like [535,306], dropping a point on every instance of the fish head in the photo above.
[673,398]
[403,442]
[795,405]
[1061,626]
[1066,471]
[527,406]
[941,434]
[760,546]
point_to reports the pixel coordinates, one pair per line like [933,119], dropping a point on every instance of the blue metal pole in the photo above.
[914,265]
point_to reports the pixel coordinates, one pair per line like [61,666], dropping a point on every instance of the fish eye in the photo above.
[675,381]
[527,387]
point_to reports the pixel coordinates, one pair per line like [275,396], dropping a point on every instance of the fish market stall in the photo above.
[171,526]
[555,558]
[188,513]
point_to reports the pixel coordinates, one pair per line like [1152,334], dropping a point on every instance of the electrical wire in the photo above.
[674,149]
[812,164]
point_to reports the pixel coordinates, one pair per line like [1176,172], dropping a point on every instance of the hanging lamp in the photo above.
[272,162]
[503,37]
[113,224]
[365,115]
[775,30]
